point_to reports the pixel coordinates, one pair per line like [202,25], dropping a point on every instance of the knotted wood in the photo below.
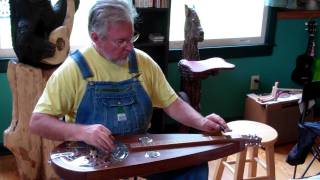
[31,151]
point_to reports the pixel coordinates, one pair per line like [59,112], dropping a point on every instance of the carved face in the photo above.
[193,29]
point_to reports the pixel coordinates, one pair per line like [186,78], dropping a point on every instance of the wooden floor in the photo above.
[283,170]
[8,168]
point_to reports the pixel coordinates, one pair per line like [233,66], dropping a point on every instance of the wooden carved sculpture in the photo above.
[40,35]
[32,22]
[192,69]
[193,34]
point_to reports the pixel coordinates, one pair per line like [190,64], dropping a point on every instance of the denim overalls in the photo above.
[123,107]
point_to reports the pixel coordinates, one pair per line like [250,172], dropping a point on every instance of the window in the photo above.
[226,23]
[5,31]
[79,35]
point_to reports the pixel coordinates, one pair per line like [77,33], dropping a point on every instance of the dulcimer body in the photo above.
[145,154]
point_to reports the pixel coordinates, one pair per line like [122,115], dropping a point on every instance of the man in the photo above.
[110,87]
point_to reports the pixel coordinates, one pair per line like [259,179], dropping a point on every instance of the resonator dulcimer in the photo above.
[144,154]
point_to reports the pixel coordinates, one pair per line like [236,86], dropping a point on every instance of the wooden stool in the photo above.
[269,136]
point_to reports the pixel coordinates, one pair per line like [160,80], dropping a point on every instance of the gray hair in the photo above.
[105,12]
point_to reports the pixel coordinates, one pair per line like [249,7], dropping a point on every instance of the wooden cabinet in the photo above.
[282,114]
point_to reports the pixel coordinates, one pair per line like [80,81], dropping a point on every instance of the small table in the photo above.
[278,114]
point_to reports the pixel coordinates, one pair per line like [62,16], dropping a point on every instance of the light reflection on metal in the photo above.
[152,154]
[145,140]
[121,152]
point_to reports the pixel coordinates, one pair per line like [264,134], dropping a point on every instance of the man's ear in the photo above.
[94,37]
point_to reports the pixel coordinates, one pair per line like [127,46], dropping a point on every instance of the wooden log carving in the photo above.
[193,33]
[30,151]
[192,69]
[27,82]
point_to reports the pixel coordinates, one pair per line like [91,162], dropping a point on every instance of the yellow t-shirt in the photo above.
[66,86]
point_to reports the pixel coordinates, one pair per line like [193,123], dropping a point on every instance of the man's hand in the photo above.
[214,122]
[98,136]
[51,127]
[185,114]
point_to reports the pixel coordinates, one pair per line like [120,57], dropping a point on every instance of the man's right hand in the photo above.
[51,127]
[98,136]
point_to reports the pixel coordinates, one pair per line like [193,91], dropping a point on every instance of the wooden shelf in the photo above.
[297,14]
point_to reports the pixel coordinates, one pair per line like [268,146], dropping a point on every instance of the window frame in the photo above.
[264,49]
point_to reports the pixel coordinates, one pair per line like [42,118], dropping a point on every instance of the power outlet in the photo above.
[254,83]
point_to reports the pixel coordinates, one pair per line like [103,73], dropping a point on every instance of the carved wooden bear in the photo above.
[32,21]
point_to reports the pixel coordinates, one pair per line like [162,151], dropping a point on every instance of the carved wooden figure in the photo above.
[27,83]
[193,34]
[192,69]
[40,31]
[31,152]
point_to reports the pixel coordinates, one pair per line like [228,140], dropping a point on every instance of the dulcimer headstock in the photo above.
[248,140]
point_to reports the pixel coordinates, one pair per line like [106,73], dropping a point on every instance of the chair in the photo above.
[309,128]
[250,156]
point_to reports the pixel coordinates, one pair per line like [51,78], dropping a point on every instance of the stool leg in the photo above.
[270,161]
[218,168]
[239,166]
[252,166]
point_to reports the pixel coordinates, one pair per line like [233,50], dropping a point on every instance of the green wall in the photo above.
[5,104]
[225,93]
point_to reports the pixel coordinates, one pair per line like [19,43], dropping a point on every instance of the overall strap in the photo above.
[133,66]
[82,63]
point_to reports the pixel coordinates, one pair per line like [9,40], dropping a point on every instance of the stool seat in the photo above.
[249,155]
[247,127]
